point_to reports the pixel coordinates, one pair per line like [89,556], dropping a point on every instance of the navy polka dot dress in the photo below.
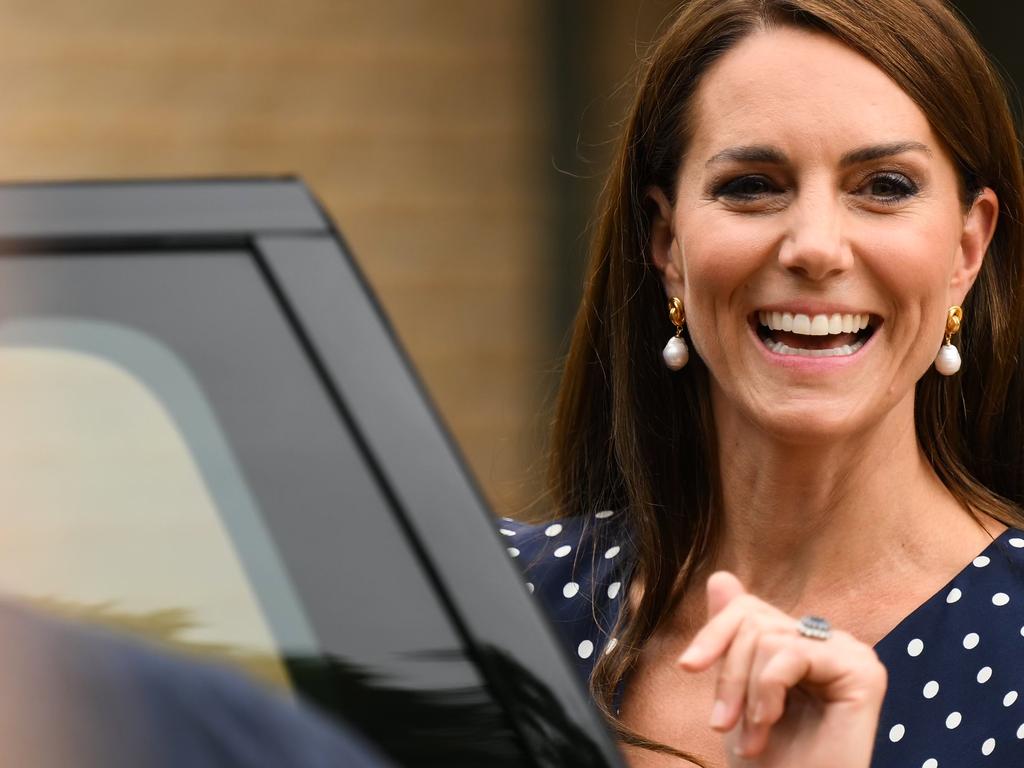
[956,664]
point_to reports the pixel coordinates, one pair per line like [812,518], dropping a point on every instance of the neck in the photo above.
[829,517]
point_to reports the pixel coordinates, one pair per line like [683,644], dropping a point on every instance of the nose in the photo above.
[814,246]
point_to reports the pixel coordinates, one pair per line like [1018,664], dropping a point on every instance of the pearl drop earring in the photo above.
[676,353]
[948,360]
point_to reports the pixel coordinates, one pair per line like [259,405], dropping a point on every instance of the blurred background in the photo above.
[458,145]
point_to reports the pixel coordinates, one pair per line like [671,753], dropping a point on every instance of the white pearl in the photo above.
[676,353]
[948,360]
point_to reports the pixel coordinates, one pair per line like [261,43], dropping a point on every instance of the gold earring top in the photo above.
[676,314]
[954,319]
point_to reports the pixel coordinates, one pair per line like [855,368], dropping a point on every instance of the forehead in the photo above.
[803,91]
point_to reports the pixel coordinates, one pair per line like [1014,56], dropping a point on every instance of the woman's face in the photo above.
[815,198]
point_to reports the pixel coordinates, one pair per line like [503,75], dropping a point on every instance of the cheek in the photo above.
[719,264]
[719,258]
[913,269]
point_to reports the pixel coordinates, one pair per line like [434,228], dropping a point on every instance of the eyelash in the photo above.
[904,187]
[731,189]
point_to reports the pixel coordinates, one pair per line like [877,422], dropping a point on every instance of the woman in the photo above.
[828,192]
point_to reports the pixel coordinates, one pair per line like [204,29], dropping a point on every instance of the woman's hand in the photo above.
[784,700]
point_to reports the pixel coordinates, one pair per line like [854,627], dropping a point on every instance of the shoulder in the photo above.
[203,713]
[117,702]
[577,568]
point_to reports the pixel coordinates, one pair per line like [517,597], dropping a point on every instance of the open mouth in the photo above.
[836,335]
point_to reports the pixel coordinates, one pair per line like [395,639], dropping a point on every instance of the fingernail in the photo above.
[690,655]
[719,713]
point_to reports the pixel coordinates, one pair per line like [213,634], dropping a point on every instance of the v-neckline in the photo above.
[945,588]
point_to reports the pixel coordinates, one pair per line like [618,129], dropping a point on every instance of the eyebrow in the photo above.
[772,156]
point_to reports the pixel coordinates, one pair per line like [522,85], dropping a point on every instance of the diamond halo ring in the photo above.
[814,627]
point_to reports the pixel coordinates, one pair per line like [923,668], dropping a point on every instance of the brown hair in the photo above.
[630,435]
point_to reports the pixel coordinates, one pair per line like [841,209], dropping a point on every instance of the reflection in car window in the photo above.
[124,505]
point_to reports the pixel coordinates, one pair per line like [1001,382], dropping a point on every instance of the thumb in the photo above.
[723,588]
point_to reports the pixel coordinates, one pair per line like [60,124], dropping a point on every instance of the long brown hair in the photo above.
[631,435]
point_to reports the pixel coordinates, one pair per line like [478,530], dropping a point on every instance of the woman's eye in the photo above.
[890,187]
[745,188]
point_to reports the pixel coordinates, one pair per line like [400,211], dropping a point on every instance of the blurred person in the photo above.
[78,697]
[818,204]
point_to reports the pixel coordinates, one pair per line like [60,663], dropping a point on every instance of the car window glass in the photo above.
[106,515]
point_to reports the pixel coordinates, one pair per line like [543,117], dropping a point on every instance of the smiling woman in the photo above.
[823,191]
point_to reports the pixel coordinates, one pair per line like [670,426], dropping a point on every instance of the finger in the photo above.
[733,676]
[754,727]
[725,595]
[841,668]
[774,672]
[777,667]
[722,588]
[714,638]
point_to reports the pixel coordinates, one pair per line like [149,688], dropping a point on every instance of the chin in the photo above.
[812,421]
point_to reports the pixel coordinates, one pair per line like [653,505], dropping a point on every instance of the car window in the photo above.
[175,467]
[108,518]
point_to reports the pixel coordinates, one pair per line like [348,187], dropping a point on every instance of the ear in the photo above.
[979,226]
[664,249]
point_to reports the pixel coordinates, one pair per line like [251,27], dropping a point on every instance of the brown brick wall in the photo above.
[419,124]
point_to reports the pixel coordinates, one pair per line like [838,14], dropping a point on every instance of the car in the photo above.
[212,440]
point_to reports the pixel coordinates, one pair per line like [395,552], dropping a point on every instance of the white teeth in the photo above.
[844,351]
[818,325]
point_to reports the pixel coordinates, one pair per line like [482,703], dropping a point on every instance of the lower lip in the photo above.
[814,364]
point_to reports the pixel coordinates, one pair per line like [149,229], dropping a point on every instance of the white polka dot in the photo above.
[507,519]
[611,645]
[953,720]
[563,550]
[570,589]
[981,561]
[988,746]
[506,532]
[954,595]
[896,732]
[1000,598]
[612,552]
[1016,542]
[585,649]
[931,689]
[605,514]
[553,530]
[1009,698]
[1020,731]
[529,587]
[613,589]
[984,674]
[915,646]
[1022,631]
[513,551]
[931,762]
[971,640]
